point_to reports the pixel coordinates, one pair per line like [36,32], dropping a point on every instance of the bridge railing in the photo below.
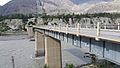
[81,26]
[95,30]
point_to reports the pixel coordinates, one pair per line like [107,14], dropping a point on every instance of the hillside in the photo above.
[19,6]
[105,7]
[30,6]
[60,6]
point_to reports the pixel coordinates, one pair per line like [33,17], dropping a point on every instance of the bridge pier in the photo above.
[53,52]
[39,44]
[30,32]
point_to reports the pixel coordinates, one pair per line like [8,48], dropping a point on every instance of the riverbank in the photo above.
[14,36]
[21,49]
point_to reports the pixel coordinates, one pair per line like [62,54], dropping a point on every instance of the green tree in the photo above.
[31,23]
[46,66]
[3,28]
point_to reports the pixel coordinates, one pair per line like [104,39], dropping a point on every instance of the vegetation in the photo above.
[109,15]
[3,28]
[66,17]
[18,16]
[31,23]
[46,66]
[70,66]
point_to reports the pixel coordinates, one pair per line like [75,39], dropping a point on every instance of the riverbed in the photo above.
[22,50]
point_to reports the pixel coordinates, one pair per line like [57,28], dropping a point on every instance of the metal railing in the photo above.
[78,28]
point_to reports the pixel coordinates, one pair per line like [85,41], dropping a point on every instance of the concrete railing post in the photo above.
[54,27]
[53,57]
[39,44]
[105,26]
[98,31]
[78,29]
[94,26]
[118,26]
[66,28]
[59,27]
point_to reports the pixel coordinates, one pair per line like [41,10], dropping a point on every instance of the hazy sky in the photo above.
[2,2]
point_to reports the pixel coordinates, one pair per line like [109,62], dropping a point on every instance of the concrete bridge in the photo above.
[104,42]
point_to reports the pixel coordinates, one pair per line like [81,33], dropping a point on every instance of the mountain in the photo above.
[55,6]
[30,6]
[98,6]
[105,7]
[59,6]
[89,1]
[19,6]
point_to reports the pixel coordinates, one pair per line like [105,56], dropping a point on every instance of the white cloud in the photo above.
[2,2]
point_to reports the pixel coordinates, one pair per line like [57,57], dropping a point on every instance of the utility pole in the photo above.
[13,62]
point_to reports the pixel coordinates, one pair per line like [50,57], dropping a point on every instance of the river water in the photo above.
[23,52]
[21,49]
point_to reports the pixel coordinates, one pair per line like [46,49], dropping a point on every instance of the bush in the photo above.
[70,66]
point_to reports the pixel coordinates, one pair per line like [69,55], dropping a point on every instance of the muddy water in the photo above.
[22,50]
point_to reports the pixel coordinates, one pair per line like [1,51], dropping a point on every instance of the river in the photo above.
[21,49]
[23,52]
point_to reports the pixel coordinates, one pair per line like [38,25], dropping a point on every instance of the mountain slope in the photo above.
[89,1]
[30,6]
[105,7]
[60,6]
[19,6]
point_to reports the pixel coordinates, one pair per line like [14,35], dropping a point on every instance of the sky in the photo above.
[2,2]
[90,1]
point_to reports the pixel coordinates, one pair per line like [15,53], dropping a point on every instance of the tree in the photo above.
[31,23]
[3,28]
[70,66]
[46,66]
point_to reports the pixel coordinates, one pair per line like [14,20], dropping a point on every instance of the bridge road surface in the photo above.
[107,34]
[23,50]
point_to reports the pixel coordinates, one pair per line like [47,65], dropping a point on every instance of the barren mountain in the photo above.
[105,7]
[55,6]
[60,6]
[30,6]
[19,6]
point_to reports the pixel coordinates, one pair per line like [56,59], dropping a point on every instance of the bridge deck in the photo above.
[106,34]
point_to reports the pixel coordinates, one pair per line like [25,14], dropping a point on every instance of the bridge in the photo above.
[101,40]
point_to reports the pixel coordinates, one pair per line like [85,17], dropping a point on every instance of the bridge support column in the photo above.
[39,44]
[78,29]
[118,26]
[30,32]
[53,52]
